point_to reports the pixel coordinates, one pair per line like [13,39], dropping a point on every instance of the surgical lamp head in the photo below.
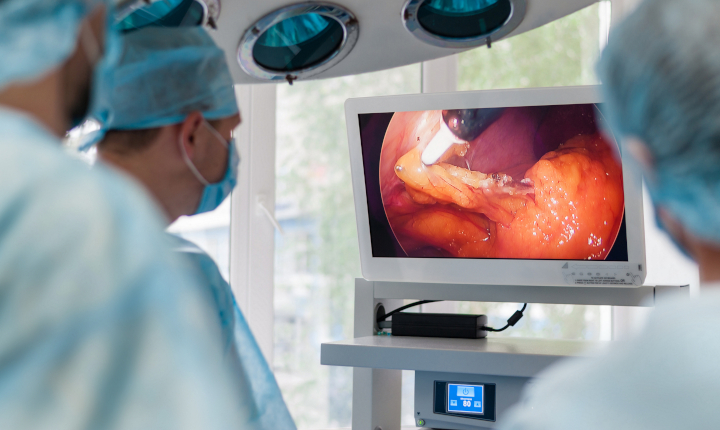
[298,41]
[462,23]
[661,85]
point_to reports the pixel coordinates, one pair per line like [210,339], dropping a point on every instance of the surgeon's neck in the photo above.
[174,193]
[41,99]
[136,169]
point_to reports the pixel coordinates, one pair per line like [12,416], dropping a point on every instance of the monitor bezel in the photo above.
[486,271]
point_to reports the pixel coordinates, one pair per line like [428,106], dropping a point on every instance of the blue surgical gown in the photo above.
[239,344]
[101,326]
[665,378]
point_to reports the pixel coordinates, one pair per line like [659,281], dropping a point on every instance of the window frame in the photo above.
[252,247]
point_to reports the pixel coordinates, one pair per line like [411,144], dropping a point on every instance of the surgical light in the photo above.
[297,41]
[171,13]
[462,23]
[286,53]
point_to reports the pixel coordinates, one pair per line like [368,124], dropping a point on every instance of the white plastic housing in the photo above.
[491,271]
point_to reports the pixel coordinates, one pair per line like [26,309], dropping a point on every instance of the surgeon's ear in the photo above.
[189,132]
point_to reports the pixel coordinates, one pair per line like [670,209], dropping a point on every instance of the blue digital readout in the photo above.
[467,399]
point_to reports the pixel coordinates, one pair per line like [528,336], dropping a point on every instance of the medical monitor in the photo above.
[508,187]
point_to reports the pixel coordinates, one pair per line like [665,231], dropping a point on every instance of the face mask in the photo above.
[214,194]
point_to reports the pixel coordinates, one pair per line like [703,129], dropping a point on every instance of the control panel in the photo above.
[461,401]
[579,273]
[466,400]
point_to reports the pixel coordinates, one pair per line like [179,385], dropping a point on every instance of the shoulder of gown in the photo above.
[663,378]
[101,326]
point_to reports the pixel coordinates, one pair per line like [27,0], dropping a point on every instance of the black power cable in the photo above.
[381,318]
[517,316]
[510,322]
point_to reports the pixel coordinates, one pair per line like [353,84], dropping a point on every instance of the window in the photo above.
[317,259]
[562,52]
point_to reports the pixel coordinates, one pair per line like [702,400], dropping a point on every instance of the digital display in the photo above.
[533,182]
[467,399]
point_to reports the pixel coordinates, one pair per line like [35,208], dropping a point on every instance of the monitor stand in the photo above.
[503,365]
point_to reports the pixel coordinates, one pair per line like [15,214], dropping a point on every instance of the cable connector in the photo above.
[517,316]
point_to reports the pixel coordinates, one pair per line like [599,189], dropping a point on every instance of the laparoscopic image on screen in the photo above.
[539,182]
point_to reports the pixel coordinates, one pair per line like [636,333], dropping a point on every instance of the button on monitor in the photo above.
[465,398]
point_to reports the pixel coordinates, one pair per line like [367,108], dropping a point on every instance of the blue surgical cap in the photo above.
[37,36]
[163,75]
[660,76]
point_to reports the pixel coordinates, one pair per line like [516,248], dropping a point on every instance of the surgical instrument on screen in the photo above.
[459,126]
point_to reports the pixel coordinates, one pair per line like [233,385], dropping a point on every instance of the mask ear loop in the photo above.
[190,163]
[217,134]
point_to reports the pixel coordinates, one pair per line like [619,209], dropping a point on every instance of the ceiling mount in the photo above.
[297,41]
[462,23]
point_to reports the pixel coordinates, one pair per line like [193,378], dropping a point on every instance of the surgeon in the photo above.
[660,77]
[172,110]
[101,326]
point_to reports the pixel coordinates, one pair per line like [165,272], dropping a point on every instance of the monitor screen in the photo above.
[513,183]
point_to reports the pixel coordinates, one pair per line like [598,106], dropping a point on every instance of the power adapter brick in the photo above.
[439,325]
